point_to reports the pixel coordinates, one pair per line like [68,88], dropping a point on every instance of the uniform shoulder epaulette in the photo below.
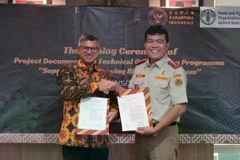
[141,61]
[174,64]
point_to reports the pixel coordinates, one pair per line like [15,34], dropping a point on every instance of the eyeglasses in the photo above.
[86,48]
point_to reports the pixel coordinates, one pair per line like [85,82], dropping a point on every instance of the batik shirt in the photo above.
[76,81]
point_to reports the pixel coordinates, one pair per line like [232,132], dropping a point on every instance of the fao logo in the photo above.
[208,17]
[157,16]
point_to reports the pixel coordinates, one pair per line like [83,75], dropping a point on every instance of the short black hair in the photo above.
[157,30]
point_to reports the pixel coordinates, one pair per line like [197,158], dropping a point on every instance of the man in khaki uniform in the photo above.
[167,82]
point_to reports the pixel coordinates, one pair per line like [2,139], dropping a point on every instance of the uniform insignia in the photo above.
[161,78]
[163,72]
[140,75]
[177,75]
[141,61]
[174,64]
[178,82]
[136,86]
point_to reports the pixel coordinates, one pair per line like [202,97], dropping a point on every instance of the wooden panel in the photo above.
[196,152]
[186,152]
[49,1]
[121,152]
[30,151]
[77,2]
[116,152]
[143,3]
[3,1]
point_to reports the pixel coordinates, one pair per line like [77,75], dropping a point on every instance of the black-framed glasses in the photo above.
[86,48]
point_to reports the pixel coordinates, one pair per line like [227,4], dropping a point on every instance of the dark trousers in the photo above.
[80,153]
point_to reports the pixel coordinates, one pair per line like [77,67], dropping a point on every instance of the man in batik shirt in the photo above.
[80,80]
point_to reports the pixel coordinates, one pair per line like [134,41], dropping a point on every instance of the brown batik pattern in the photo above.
[75,81]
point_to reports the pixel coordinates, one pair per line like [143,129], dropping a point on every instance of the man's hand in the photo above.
[111,116]
[114,86]
[148,131]
[103,86]
[111,85]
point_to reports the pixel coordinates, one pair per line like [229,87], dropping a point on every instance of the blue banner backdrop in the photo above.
[36,40]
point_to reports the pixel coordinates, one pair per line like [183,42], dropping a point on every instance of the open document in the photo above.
[133,111]
[93,113]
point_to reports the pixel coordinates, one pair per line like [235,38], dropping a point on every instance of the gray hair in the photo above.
[87,37]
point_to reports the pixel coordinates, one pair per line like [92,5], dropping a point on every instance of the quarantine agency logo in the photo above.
[157,16]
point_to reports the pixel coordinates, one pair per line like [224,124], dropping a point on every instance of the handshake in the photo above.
[106,86]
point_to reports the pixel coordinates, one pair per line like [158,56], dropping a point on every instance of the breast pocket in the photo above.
[160,89]
[138,83]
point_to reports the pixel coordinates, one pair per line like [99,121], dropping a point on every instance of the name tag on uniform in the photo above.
[140,75]
[161,78]
[177,75]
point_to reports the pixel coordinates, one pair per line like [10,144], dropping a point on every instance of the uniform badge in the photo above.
[161,78]
[178,82]
[163,72]
[140,75]
[177,75]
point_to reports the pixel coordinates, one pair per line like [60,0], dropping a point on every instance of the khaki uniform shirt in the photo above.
[167,82]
